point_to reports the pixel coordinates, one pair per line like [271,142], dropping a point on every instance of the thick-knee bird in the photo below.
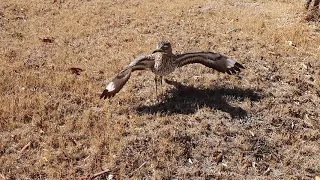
[163,62]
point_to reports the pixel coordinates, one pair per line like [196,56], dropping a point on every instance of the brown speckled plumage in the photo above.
[163,62]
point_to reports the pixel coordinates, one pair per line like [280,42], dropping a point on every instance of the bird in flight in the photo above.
[163,62]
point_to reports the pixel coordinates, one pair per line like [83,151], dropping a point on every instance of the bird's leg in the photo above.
[160,80]
[156,82]
[161,85]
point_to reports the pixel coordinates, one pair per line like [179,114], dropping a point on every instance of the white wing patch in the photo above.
[230,63]
[110,87]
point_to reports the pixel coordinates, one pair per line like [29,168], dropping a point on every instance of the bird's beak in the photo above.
[157,50]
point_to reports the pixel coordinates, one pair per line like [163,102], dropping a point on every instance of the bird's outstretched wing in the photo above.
[216,61]
[113,87]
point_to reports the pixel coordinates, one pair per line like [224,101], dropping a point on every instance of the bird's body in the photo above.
[162,62]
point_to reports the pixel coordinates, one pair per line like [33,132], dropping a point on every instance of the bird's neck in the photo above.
[168,54]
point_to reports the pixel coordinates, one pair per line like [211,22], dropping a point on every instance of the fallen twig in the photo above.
[96,174]
[100,173]
[138,168]
[2,176]
[25,147]
[267,171]
[219,158]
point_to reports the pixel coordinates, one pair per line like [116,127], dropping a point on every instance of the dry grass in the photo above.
[262,124]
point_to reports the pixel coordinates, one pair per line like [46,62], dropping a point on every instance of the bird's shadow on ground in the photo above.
[188,100]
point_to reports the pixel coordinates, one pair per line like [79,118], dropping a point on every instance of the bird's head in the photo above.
[163,47]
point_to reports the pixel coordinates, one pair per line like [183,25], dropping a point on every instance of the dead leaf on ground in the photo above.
[247,165]
[47,40]
[75,70]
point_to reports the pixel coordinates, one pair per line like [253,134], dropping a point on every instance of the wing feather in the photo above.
[116,84]
[212,60]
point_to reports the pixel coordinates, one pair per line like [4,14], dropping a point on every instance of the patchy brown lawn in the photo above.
[262,124]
